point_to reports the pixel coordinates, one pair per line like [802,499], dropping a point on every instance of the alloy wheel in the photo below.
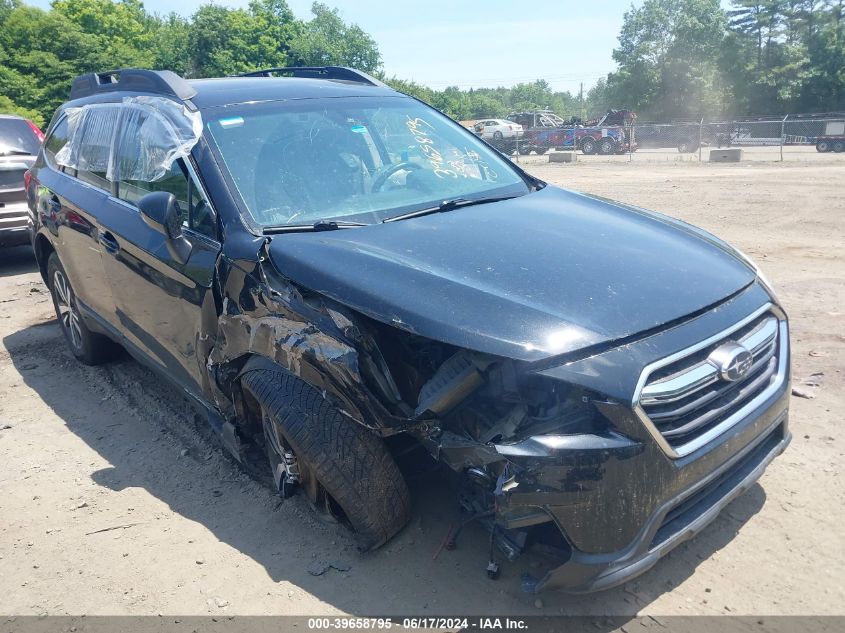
[291,474]
[66,306]
[283,462]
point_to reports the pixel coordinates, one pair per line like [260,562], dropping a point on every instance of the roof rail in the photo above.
[338,73]
[162,82]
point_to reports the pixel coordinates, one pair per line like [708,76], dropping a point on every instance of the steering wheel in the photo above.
[388,171]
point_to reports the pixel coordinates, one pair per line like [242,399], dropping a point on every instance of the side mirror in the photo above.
[161,211]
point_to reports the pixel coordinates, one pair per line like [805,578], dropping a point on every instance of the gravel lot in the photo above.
[114,499]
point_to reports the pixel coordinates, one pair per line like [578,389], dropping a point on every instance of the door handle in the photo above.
[109,243]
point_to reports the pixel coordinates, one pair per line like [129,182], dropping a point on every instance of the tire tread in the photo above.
[352,464]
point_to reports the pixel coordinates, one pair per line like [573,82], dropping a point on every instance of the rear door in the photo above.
[68,204]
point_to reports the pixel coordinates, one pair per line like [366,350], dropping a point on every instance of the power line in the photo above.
[499,83]
[569,77]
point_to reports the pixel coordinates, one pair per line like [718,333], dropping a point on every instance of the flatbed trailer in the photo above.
[834,143]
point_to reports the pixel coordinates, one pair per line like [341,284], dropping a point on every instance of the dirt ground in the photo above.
[114,499]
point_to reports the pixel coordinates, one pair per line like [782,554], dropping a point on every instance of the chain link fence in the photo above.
[623,137]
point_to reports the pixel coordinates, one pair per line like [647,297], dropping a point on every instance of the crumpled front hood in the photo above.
[540,275]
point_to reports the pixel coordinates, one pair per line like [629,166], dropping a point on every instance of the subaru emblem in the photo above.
[732,360]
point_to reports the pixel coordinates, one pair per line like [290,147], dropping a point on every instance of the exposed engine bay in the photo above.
[461,405]
[469,403]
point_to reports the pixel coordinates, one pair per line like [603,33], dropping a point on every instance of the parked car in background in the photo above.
[339,275]
[497,129]
[20,140]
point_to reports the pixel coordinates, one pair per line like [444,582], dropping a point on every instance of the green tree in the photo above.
[44,51]
[170,35]
[824,88]
[224,41]
[408,87]
[785,55]
[667,59]
[7,106]
[326,40]
[120,28]
[276,27]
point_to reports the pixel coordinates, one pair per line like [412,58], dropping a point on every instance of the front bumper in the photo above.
[623,499]
[678,520]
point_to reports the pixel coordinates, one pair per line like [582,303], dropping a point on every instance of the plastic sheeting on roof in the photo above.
[137,139]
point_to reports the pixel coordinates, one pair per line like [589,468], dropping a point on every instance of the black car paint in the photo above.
[526,278]
[64,216]
[614,281]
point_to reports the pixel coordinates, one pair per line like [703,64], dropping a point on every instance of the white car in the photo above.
[497,129]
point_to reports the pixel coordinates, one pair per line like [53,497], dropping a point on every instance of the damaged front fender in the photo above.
[264,316]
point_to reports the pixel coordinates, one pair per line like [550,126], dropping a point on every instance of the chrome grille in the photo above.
[689,398]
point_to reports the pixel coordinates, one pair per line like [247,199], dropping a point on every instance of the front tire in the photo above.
[338,463]
[589,146]
[88,347]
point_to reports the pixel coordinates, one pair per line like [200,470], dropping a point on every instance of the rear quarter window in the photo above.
[55,142]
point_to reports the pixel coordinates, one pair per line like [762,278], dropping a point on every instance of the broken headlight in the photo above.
[506,407]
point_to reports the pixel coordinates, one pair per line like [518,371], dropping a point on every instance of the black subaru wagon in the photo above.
[325,266]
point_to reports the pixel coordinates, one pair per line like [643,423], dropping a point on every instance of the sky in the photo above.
[474,43]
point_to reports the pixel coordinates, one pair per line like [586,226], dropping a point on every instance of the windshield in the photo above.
[16,137]
[352,159]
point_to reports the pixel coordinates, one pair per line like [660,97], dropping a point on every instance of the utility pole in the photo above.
[581,99]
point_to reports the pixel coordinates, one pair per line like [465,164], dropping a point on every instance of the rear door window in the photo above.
[94,155]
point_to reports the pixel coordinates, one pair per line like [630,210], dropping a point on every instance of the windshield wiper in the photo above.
[448,205]
[319,225]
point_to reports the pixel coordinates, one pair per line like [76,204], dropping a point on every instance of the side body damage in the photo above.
[455,402]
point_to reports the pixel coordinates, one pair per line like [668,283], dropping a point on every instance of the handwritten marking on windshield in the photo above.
[469,164]
[417,129]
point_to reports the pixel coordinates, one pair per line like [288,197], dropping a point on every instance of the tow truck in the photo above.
[545,130]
